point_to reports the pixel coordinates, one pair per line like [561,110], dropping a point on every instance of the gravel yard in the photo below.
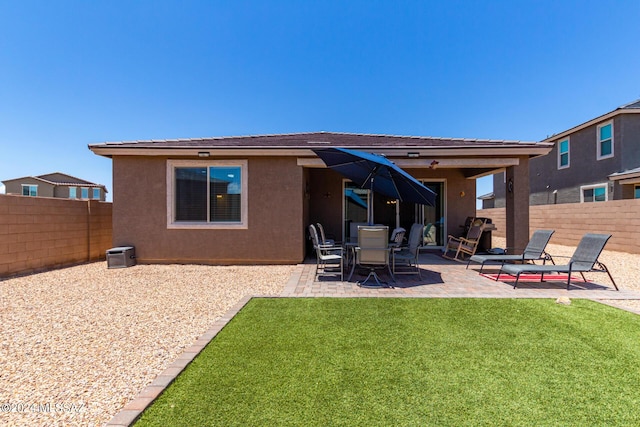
[78,343]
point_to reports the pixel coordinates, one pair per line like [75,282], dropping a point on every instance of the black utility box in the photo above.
[121,257]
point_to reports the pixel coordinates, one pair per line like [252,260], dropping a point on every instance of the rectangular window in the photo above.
[96,194]
[29,190]
[84,193]
[73,193]
[636,192]
[605,141]
[212,194]
[563,154]
[594,193]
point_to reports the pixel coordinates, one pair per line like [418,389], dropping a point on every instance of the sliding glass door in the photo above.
[393,213]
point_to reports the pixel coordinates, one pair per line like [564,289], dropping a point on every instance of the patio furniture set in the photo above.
[373,250]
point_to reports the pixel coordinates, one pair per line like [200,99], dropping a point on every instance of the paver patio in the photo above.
[449,279]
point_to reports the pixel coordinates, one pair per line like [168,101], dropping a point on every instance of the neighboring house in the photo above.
[55,185]
[249,199]
[488,200]
[596,161]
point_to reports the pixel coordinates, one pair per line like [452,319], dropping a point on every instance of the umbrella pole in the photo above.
[370,218]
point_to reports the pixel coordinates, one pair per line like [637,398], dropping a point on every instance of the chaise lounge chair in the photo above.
[584,259]
[535,250]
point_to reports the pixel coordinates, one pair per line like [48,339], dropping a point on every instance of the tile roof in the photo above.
[313,140]
[634,104]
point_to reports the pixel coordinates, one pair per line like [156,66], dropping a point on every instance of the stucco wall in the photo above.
[571,221]
[15,187]
[37,233]
[275,232]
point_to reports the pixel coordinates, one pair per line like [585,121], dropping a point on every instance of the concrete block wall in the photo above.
[37,233]
[620,218]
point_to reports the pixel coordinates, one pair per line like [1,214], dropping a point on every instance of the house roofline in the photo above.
[60,184]
[301,144]
[275,135]
[607,116]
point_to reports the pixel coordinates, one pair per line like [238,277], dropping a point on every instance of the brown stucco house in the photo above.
[249,199]
[56,184]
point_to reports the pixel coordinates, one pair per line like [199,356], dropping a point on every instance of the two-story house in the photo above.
[596,161]
[56,185]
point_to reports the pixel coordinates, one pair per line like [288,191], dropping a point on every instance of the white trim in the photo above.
[28,185]
[599,141]
[81,190]
[244,199]
[594,186]
[560,141]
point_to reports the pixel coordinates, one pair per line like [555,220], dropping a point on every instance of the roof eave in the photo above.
[536,149]
[603,118]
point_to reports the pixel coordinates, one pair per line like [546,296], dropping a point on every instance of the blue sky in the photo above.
[79,72]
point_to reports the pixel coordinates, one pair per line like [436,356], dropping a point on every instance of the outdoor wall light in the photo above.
[433,164]
[203,154]
[413,155]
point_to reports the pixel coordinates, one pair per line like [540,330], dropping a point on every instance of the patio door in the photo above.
[393,213]
[433,217]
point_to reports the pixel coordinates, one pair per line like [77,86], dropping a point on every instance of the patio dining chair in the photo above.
[583,260]
[372,253]
[405,261]
[465,245]
[326,256]
[397,237]
[535,250]
[323,238]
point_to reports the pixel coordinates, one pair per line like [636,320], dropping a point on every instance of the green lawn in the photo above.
[390,362]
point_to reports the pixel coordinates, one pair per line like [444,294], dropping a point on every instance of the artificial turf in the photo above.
[380,361]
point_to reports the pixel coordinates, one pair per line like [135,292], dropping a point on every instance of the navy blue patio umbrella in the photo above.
[378,174]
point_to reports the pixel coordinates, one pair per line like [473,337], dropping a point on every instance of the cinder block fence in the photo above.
[620,218]
[38,233]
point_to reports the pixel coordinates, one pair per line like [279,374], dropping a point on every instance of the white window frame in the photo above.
[636,188]
[95,193]
[599,156]
[594,186]
[75,192]
[560,166]
[82,190]
[29,186]
[244,198]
